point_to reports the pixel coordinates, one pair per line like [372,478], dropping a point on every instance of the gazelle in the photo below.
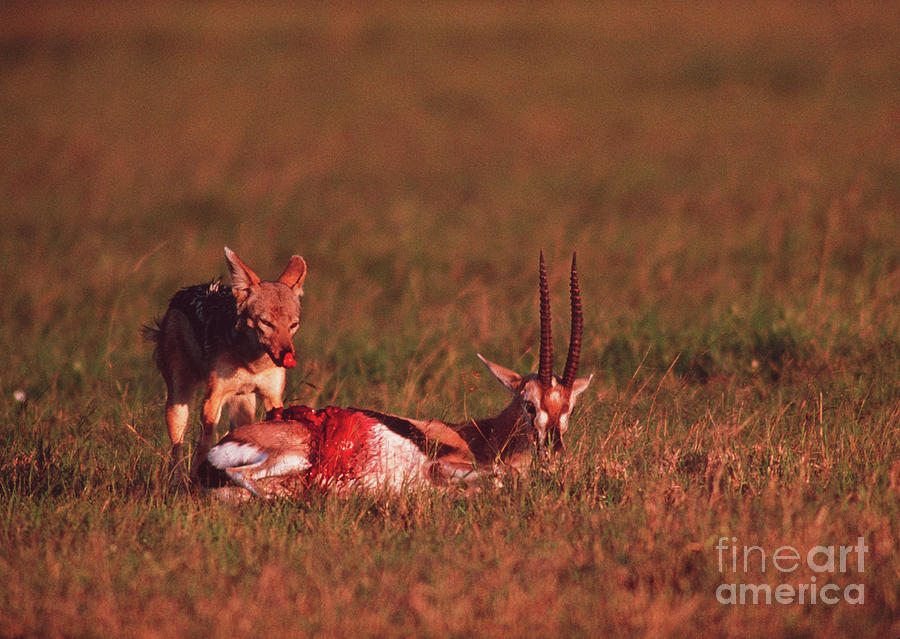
[299,447]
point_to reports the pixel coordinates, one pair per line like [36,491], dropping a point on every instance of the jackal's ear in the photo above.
[294,274]
[508,378]
[242,277]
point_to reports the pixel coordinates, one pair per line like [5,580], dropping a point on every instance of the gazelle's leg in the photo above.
[443,473]
[242,479]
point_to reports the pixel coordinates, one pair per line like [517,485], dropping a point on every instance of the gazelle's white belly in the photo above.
[393,462]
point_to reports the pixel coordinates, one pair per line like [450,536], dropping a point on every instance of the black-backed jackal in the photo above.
[298,447]
[237,340]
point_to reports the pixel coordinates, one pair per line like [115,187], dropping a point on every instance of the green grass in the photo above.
[730,178]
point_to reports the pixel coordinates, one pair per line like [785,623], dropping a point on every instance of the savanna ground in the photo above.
[729,174]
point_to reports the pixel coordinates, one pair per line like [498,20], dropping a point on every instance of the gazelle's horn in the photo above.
[545,368]
[574,355]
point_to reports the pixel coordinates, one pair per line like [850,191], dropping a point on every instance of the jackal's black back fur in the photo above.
[210,309]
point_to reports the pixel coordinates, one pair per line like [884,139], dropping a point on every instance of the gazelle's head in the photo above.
[545,399]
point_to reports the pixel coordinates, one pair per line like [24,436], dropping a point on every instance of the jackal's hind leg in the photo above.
[177,410]
[176,355]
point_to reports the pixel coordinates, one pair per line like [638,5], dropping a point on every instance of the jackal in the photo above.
[236,339]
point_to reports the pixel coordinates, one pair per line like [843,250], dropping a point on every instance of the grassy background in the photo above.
[728,172]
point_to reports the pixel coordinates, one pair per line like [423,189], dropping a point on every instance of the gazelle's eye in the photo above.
[531,409]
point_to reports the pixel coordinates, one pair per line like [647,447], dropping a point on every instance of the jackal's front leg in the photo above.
[270,387]
[212,412]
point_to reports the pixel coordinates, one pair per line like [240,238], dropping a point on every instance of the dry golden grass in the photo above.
[728,172]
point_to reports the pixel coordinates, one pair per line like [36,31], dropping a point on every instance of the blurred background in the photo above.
[721,168]
[728,172]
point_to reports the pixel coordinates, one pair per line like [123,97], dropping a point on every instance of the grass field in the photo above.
[729,174]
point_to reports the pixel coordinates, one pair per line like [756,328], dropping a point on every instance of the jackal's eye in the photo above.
[294,326]
[266,323]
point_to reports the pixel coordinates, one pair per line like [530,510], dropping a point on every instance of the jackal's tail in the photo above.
[150,332]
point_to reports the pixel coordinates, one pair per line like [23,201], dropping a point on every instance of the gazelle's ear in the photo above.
[242,277]
[294,274]
[580,385]
[508,378]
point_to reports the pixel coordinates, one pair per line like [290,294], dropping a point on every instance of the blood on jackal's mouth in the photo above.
[288,361]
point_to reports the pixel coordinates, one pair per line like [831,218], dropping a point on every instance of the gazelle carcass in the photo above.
[344,448]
